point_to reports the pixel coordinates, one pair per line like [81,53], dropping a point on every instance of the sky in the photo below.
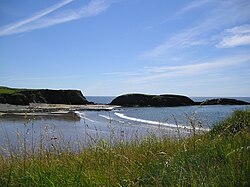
[113,47]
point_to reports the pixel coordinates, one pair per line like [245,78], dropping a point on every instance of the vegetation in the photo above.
[217,158]
[7,90]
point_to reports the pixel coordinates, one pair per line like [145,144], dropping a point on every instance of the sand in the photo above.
[38,109]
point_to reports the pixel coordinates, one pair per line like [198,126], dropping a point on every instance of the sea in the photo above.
[121,124]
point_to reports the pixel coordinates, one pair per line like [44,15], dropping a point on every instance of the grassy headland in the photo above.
[7,90]
[217,158]
[15,96]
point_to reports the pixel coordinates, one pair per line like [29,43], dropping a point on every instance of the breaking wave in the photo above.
[159,123]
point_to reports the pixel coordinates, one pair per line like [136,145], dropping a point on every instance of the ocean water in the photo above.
[120,124]
[100,99]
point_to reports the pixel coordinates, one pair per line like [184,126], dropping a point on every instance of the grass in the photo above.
[217,158]
[7,90]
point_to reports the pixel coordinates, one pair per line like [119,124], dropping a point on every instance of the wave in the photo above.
[110,118]
[159,123]
[82,115]
[106,117]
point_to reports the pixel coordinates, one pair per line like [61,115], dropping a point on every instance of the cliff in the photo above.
[24,97]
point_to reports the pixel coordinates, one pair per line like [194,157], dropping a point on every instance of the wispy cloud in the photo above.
[219,15]
[236,36]
[179,13]
[191,6]
[38,20]
[11,28]
[181,40]
[161,72]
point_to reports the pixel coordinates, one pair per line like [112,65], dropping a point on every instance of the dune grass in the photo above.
[220,157]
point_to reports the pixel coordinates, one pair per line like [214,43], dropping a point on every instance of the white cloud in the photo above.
[236,36]
[93,8]
[9,29]
[243,29]
[161,72]
[184,39]
[219,15]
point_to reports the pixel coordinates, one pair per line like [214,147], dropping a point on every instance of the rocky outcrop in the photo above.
[224,101]
[130,100]
[25,97]
[152,100]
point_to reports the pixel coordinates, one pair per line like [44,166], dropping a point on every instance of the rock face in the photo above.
[224,101]
[73,97]
[152,100]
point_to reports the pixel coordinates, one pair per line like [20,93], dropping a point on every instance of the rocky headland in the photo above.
[44,102]
[25,97]
[143,100]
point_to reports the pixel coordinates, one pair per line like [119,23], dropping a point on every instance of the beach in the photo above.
[42,109]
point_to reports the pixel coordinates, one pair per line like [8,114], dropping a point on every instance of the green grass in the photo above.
[220,157]
[6,90]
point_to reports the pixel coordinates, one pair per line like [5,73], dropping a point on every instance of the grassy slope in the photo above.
[218,158]
[7,90]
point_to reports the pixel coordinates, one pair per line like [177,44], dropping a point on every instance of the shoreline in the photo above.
[53,110]
[34,110]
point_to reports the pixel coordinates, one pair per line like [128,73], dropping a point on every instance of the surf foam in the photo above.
[158,123]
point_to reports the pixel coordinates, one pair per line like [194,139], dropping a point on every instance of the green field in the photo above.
[220,157]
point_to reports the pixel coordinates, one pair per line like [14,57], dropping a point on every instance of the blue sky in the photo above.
[112,47]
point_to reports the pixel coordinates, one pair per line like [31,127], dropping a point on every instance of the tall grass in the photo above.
[220,157]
